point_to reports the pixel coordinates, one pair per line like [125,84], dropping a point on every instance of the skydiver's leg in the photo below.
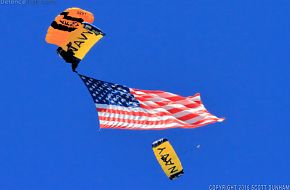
[74,66]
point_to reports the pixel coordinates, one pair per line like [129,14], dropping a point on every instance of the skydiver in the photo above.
[68,56]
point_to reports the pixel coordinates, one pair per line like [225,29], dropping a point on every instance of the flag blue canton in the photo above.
[109,93]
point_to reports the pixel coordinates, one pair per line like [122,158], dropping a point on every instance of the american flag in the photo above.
[120,107]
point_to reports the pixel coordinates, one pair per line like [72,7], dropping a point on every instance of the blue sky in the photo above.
[235,53]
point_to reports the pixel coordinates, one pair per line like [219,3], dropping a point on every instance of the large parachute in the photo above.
[74,34]
[167,158]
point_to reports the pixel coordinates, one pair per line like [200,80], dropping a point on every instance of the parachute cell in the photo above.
[80,13]
[167,158]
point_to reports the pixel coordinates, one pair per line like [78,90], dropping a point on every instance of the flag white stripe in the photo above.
[132,117]
[189,111]
[200,117]
[112,124]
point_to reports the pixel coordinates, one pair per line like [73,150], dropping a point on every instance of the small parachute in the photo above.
[167,158]
[72,31]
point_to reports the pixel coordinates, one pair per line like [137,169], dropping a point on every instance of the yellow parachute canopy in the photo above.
[79,43]
[167,158]
[66,22]
[82,40]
